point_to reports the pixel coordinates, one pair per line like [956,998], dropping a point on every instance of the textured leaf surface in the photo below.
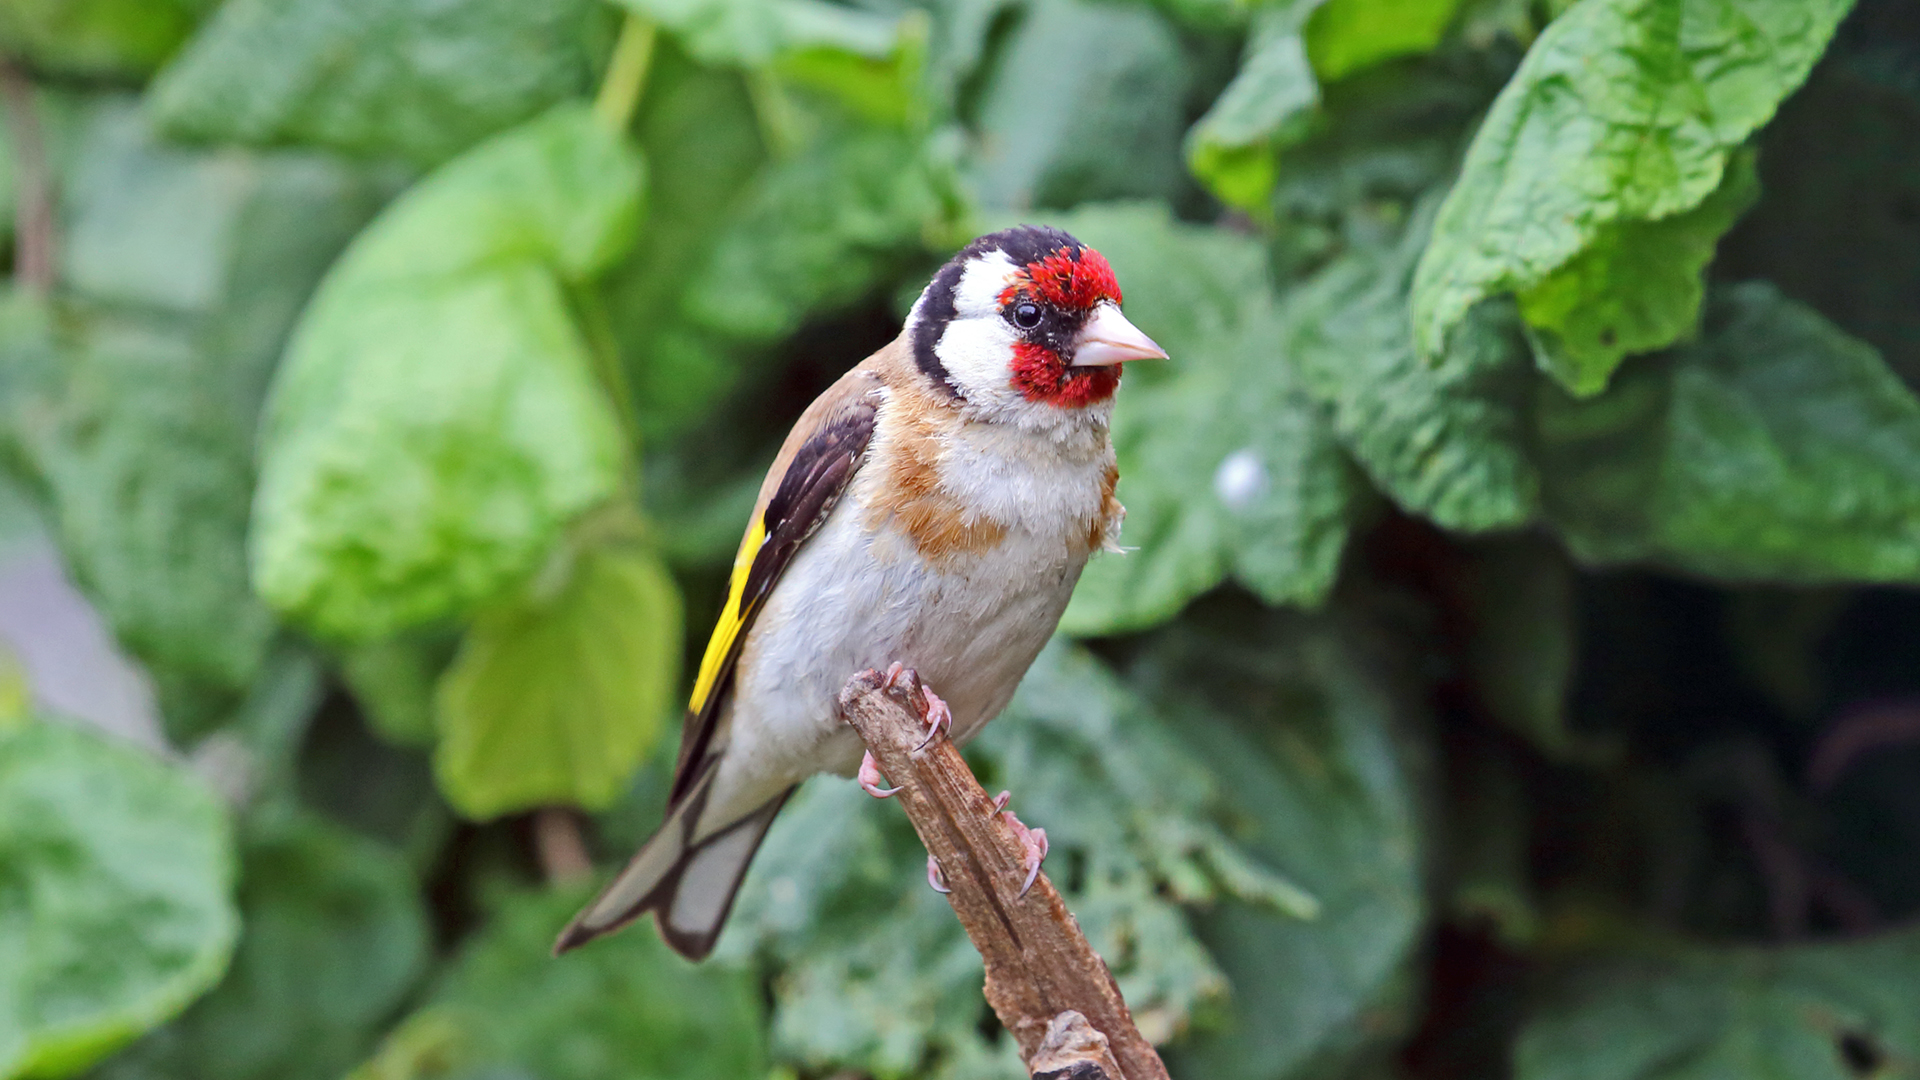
[437,420]
[333,936]
[417,79]
[1810,1012]
[881,977]
[819,231]
[115,907]
[1721,458]
[1301,720]
[1624,111]
[558,700]
[186,272]
[1446,438]
[628,1007]
[1227,469]
[1637,288]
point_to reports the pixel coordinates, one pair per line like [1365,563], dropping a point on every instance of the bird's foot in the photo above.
[938,717]
[920,698]
[937,877]
[1034,841]
[1000,801]
[870,778]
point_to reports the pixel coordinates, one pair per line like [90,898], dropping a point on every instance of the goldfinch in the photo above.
[933,508]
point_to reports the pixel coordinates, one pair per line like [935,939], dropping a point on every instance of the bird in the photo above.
[932,509]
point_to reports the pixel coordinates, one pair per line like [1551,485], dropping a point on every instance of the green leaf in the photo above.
[1623,112]
[437,421]
[1266,106]
[625,1007]
[1637,288]
[1446,438]
[696,126]
[115,908]
[880,977]
[559,698]
[334,937]
[1084,101]
[184,274]
[1226,468]
[1810,1012]
[818,232]
[1304,724]
[415,79]
[1345,36]
[1722,457]
[96,38]
[752,33]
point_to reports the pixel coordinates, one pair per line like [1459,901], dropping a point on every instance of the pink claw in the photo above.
[1000,801]
[1035,843]
[937,877]
[870,778]
[894,671]
[938,716]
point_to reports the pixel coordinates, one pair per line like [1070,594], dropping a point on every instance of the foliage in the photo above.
[1510,673]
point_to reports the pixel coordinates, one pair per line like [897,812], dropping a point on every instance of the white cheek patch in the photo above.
[978,293]
[977,352]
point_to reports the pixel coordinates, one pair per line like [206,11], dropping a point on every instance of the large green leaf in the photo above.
[1085,101]
[115,907]
[880,977]
[625,1008]
[1776,448]
[1226,467]
[1444,438]
[185,272]
[1624,112]
[417,79]
[819,231]
[1306,725]
[1809,1012]
[437,420]
[1636,288]
[334,935]
[96,38]
[557,699]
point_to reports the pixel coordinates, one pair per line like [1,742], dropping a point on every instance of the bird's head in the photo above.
[1025,324]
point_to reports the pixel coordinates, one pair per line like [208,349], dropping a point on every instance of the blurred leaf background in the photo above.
[1517,673]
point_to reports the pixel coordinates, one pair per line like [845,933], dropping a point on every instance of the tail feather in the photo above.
[688,885]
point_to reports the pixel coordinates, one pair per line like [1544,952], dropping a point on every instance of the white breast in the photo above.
[857,597]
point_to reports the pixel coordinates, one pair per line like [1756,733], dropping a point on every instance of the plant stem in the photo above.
[626,73]
[34,226]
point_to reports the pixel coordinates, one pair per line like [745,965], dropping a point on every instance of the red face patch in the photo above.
[1040,375]
[1071,279]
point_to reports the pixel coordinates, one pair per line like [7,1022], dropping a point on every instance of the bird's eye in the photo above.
[1026,315]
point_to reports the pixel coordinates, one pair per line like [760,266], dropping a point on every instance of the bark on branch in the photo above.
[1047,985]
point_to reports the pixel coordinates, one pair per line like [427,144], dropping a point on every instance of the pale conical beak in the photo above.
[1108,339]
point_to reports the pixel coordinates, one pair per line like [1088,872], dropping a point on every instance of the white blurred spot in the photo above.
[1240,479]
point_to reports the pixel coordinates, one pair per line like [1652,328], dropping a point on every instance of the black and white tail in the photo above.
[688,886]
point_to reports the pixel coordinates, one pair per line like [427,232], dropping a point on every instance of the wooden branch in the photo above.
[1047,985]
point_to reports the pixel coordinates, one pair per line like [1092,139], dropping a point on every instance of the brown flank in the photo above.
[939,526]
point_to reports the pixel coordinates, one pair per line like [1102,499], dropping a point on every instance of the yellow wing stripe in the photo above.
[732,617]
